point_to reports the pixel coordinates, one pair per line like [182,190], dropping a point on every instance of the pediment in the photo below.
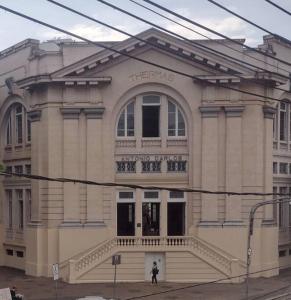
[169,45]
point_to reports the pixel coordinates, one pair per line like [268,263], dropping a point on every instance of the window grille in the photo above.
[126,166]
[176,166]
[151,166]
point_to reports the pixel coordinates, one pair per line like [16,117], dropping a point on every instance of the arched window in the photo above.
[18,127]
[176,123]
[154,115]
[125,125]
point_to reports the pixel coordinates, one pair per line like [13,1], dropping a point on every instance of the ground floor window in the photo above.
[125,219]
[176,218]
[150,218]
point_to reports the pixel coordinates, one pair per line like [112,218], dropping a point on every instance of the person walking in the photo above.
[154,272]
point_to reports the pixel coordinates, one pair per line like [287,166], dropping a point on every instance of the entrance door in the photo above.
[150,218]
[176,218]
[159,258]
[125,219]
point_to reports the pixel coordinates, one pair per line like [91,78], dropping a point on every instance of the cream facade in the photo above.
[72,110]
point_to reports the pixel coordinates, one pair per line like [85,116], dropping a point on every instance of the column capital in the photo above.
[34,115]
[70,113]
[269,112]
[209,111]
[94,112]
[234,111]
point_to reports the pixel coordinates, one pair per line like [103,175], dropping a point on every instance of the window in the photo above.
[125,166]
[125,213]
[275,168]
[151,166]
[9,208]
[9,131]
[18,169]
[282,253]
[8,169]
[282,190]
[125,125]
[151,116]
[18,126]
[283,168]
[19,123]
[9,252]
[176,124]
[28,169]
[19,194]
[176,166]
[28,205]
[19,254]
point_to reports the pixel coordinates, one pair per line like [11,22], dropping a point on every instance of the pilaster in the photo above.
[71,166]
[209,171]
[233,166]
[94,167]
[35,117]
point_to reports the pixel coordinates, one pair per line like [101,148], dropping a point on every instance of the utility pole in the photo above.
[251,231]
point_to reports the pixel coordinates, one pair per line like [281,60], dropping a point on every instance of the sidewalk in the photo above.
[40,288]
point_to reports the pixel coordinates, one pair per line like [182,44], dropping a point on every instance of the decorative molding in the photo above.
[210,224]
[70,113]
[209,111]
[34,115]
[237,223]
[269,112]
[95,224]
[233,111]
[268,222]
[94,113]
[70,224]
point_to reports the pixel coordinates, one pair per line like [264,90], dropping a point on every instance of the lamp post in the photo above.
[251,231]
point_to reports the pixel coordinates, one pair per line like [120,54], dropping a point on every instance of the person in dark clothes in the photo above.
[154,272]
[15,296]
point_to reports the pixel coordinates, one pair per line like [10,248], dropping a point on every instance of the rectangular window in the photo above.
[282,190]
[8,169]
[125,219]
[9,252]
[275,126]
[125,166]
[19,194]
[151,166]
[151,195]
[150,219]
[283,122]
[282,253]
[28,130]
[9,131]
[283,168]
[177,195]
[151,121]
[18,169]
[18,124]
[28,169]
[19,253]
[28,205]
[275,167]
[9,208]
[275,211]
[176,166]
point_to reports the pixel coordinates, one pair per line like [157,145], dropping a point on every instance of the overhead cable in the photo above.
[248,21]
[124,53]
[279,7]
[216,41]
[136,186]
[156,45]
[214,32]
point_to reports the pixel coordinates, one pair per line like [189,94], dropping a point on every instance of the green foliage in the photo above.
[2,168]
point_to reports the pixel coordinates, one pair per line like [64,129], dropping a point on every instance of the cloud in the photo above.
[91,32]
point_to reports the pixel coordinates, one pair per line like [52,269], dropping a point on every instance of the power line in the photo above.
[142,40]
[203,283]
[213,31]
[135,186]
[124,53]
[217,41]
[186,39]
[279,7]
[246,20]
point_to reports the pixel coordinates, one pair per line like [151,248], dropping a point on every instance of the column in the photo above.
[36,134]
[164,213]
[269,113]
[94,167]
[138,212]
[209,167]
[71,166]
[233,167]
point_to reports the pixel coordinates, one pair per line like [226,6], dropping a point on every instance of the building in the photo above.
[69,109]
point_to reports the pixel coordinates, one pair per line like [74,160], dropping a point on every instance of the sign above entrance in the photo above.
[153,75]
[142,157]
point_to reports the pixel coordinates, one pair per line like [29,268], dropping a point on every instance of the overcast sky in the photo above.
[14,29]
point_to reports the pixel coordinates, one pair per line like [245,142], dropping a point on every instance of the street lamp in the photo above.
[251,231]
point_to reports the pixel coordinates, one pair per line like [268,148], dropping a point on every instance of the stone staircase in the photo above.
[226,264]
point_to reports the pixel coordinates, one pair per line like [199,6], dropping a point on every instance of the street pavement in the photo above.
[41,288]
